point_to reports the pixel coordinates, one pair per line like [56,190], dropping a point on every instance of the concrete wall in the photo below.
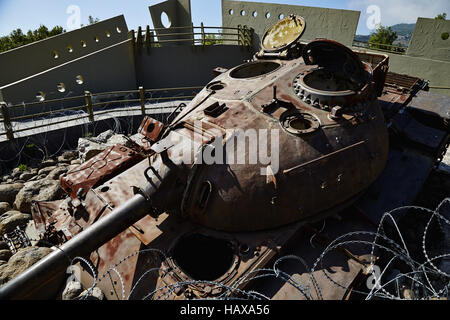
[427,40]
[108,69]
[186,65]
[179,14]
[39,56]
[339,25]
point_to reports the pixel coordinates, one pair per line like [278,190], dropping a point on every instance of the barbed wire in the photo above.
[426,279]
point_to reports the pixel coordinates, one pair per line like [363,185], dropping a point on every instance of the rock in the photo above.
[5,255]
[70,155]
[55,173]
[2,262]
[19,181]
[63,160]
[8,192]
[73,162]
[6,178]
[16,173]
[21,261]
[46,170]
[27,176]
[90,147]
[4,245]
[72,290]
[4,207]
[104,136]
[41,190]
[12,219]
[10,181]
[94,294]
[47,163]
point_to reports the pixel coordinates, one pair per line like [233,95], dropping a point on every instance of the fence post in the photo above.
[246,39]
[90,110]
[139,41]
[142,96]
[7,121]
[203,34]
[148,41]
[193,35]
[239,35]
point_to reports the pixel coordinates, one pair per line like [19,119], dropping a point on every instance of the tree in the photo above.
[17,38]
[441,16]
[382,36]
[91,20]
[211,39]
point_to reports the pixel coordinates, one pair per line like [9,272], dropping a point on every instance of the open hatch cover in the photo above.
[283,34]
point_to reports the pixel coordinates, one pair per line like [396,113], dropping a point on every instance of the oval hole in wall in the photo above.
[70,49]
[444,36]
[255,14]
[118,30]
[108,33]
[96,39]
[231,11]
[267,15]
[165,20]
[243,12]
[83,43]
[40,96]
[55,54]
[61,87]
[281,16]
[79,79]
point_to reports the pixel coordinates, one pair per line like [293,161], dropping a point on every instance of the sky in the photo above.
[29,14]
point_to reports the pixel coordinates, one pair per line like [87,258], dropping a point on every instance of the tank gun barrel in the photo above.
[28,284]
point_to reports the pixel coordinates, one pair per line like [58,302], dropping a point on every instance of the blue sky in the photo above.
[29,14]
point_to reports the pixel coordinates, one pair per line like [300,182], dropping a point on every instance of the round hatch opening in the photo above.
[203,257]
[300,124]
[254,69]
[216,86]
[326,80]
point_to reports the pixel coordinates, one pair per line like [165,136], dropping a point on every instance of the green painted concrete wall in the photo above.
[37,57]
[427,40]
[109,69]
[339,25]
[186,65]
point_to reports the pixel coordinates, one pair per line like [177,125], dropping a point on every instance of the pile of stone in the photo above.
[41,183]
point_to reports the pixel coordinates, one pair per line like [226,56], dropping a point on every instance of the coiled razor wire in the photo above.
[420,275]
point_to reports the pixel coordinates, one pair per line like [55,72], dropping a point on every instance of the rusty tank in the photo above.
[287,138]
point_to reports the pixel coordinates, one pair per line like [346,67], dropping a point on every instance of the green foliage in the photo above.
[383,38]
[442,16]
[23,167]
[211,39]
[29,146]
[91,20]
[17,38]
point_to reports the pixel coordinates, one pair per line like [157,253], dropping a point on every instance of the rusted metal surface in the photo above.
[332,142]
[98,169]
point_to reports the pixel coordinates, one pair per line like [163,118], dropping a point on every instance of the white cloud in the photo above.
[401,11]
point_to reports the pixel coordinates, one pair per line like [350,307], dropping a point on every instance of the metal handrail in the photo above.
[379,46]
[151,38]
[45,101]
[88,106]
